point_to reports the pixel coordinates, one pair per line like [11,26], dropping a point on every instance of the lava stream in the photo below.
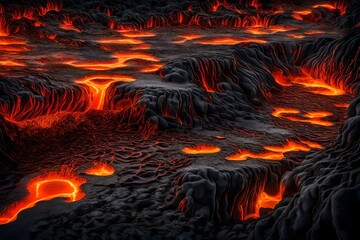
[99,84]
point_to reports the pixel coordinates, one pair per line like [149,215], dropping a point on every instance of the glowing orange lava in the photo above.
[275,152]
[342,105]
[260,30]
[68,26]
[100,169]
[314,32]
[297,36]
[187,37]
[201,149]
[119,61]
[230,41]
[242,155]
[138,34]
[317,86]
[10,63]
[265,200]
[151,68]
[299,15]
[308,117]
[52,185]
[127,41]
[98,85]
[290,146]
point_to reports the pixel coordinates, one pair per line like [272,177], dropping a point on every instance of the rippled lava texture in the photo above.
[219,119]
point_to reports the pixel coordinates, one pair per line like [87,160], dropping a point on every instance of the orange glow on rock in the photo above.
[10,63]
[299,15]
[138,34]
[98,85]
[342,105]
[100,169]
[279,112]
[309,117]
[187,37]
[201,149]
[290,146]
[242,155]
[151,68]
[314,32]
[68,26]
[318,86]
[230,41]
[296,36]
[265,200]
[275,152]
[260,30]
[119,61]
[126,41]
[51,185]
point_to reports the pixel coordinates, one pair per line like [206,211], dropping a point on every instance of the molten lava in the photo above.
[100,169]
[242,155]
[52,185]
[260,30]
[275,152]
[300,14]
[265,200]
[230,41]
[126,41]
[119,61]
[187,37]
[317,86]
[137,34]
[201,149]
[98,85]
[308,117]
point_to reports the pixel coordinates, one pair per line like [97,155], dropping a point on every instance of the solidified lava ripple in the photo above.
[220,119]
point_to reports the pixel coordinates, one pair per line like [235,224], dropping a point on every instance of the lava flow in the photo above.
[120,61]
[265,200]
[99,84]
[230,41]
[201,149]
[312,117]
[64,184]
[100,169]
[275,152]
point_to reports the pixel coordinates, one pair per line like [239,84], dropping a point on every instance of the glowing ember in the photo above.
[220,137]
[230,41]
[265,200]
[52,185]
[100,169]
[187,37]
[119,62]
[98,88]
[201,149]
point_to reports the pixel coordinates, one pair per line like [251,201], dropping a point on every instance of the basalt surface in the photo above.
[179,119]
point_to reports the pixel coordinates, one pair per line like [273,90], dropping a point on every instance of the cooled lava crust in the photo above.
[219,119]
